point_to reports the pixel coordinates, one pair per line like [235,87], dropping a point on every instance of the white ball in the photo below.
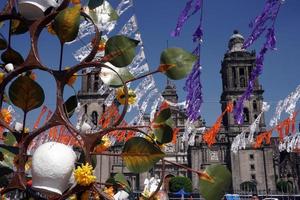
[9,67]
[52,167]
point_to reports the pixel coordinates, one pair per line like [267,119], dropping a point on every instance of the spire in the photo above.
[169,92]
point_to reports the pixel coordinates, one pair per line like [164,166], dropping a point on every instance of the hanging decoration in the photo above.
[263,23]
[240,141]
[186,14]
[288,105]
[193,87]
[210,136]
[265,136]
[290,143]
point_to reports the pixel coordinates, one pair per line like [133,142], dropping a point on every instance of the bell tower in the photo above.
[91,97]
[236,70]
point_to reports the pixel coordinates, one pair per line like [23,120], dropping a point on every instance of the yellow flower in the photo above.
[2,75]
[105,144]
[72,79]
[84,175]
[73,197]
[121,96]
[6,115]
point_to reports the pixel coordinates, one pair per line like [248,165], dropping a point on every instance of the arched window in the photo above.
[234,77]
[246,115]
[95,117]
[242,82]
[255,116]
[96,87]
[254,105]
[248,186]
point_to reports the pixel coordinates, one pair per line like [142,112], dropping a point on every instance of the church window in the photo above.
[242,71]
[88,83]
[95,117]
[254,105]
[246,115]
[96,86]
[251,156]
[253,177]
[234,77]
[255,116]
[242,82]
[252,167]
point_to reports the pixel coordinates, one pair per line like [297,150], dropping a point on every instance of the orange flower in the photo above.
[75,2]
[6,115]
[109,191]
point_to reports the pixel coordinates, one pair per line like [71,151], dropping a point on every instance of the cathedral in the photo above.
[253,170]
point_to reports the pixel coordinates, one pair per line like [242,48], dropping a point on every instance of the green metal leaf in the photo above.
[70,105]
[10,139]
[163,115]
[170,122]
[94,3]
[12,149]
[5,171]
[221,182]
[182,60]
[26,94]
[140,155]
[121,49]
[163,134]
[66,24]
[12,56]
[18,27]
[121,180]
[8,157]
[3,43]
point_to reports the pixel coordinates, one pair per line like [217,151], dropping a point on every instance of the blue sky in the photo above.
[157,18]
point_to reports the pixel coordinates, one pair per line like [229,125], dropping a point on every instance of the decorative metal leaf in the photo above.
[70,105]
[163,115]
[8,157]
[163,133]
[66,24]
[121,49]
[26,94]
[140,155]
[216,189]
[9,139]
[94,3]
[3,43]
[180,60]
[18,27]
[5,171]
[12,56]
[121,180]
[110,78]
[12,149]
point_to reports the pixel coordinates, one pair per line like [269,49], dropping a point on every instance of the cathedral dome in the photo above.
[236,42]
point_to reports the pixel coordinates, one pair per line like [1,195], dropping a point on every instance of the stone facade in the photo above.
[252,169]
